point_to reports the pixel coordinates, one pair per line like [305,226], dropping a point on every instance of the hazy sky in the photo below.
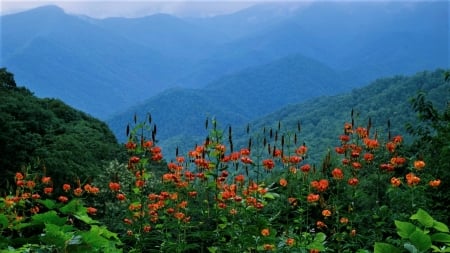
[136,8]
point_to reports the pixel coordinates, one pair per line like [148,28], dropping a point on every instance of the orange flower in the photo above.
[265,232]
[179,215]
[245,152]
[337,173]
[398,161]
[48,190]
[19,176]
[290,242]
[353,181]
[395,182]
[321,185]
[344,138]
[147,228]
[78,192]
[314,251]
[283,182]
[301,150]
[412,179]
[246,160]
[114,186]
[91,210]
[66,187]
[130,145]
[121,197]
[268,164]
[239,178]
[31,184]
[371,143]
[368,157]
[435,183]
[321,224]
[397,139]
[312,197]
[46,180]
[326,213]
[343,220]
[305,168]
[419,164]
[356,165]
[268,247]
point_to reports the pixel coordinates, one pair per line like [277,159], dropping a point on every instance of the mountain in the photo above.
[104,66]
[385,99]
[234,99]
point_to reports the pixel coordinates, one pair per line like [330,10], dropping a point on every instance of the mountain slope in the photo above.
[234,99]
[322,118]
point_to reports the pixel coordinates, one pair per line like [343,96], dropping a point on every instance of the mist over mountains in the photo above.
[236,67]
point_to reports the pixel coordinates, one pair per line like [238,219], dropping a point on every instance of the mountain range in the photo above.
[106,66]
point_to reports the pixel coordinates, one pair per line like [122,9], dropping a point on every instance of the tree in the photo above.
[7,79]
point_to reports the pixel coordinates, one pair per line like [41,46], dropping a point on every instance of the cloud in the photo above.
[137,8]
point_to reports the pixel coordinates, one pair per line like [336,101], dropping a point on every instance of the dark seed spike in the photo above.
[273,151]
[248,128]
[369,125]
[154,129]
[299,127]
[231,146]
[351,114]
[128,130]
[153,136]
[206,123]
[207,141]
[295,138]
[276,135]
[279,125]
[230,133]
[135,118]
[389,124]
[249,143]
[264,141]
[176,152]
[282,140]
[353,122]
[149,118]
[264,130]
[214,125]
[268,149]
[271,133]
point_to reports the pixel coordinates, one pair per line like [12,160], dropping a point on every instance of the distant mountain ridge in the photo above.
[104,66]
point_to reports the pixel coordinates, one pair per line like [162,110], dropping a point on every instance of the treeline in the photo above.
[62,142]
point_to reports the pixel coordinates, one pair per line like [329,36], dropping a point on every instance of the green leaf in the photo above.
[411,248]
[441,227]
[381,247]
[3,221]
[212,249]
[72,207]
[86,219]
[440,237]
[320,237]
[404,229]
[54,236]
[421,240]
[423,217]
[48,217]
[48,203]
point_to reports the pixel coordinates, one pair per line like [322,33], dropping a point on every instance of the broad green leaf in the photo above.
[85,218]
[423,217]
[54,236]
[271,195]
[404,229]
[440,237]
[72,207]
[320,237]
[212,249]
[421,240]
[441,227]
[48,203]
[381,247]
[48,217]
[410,248]
[3,221]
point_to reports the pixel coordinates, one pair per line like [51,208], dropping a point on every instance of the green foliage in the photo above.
[423,234]
[50,135]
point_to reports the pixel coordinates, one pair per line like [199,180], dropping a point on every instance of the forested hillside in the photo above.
[386,99]
[48,135]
